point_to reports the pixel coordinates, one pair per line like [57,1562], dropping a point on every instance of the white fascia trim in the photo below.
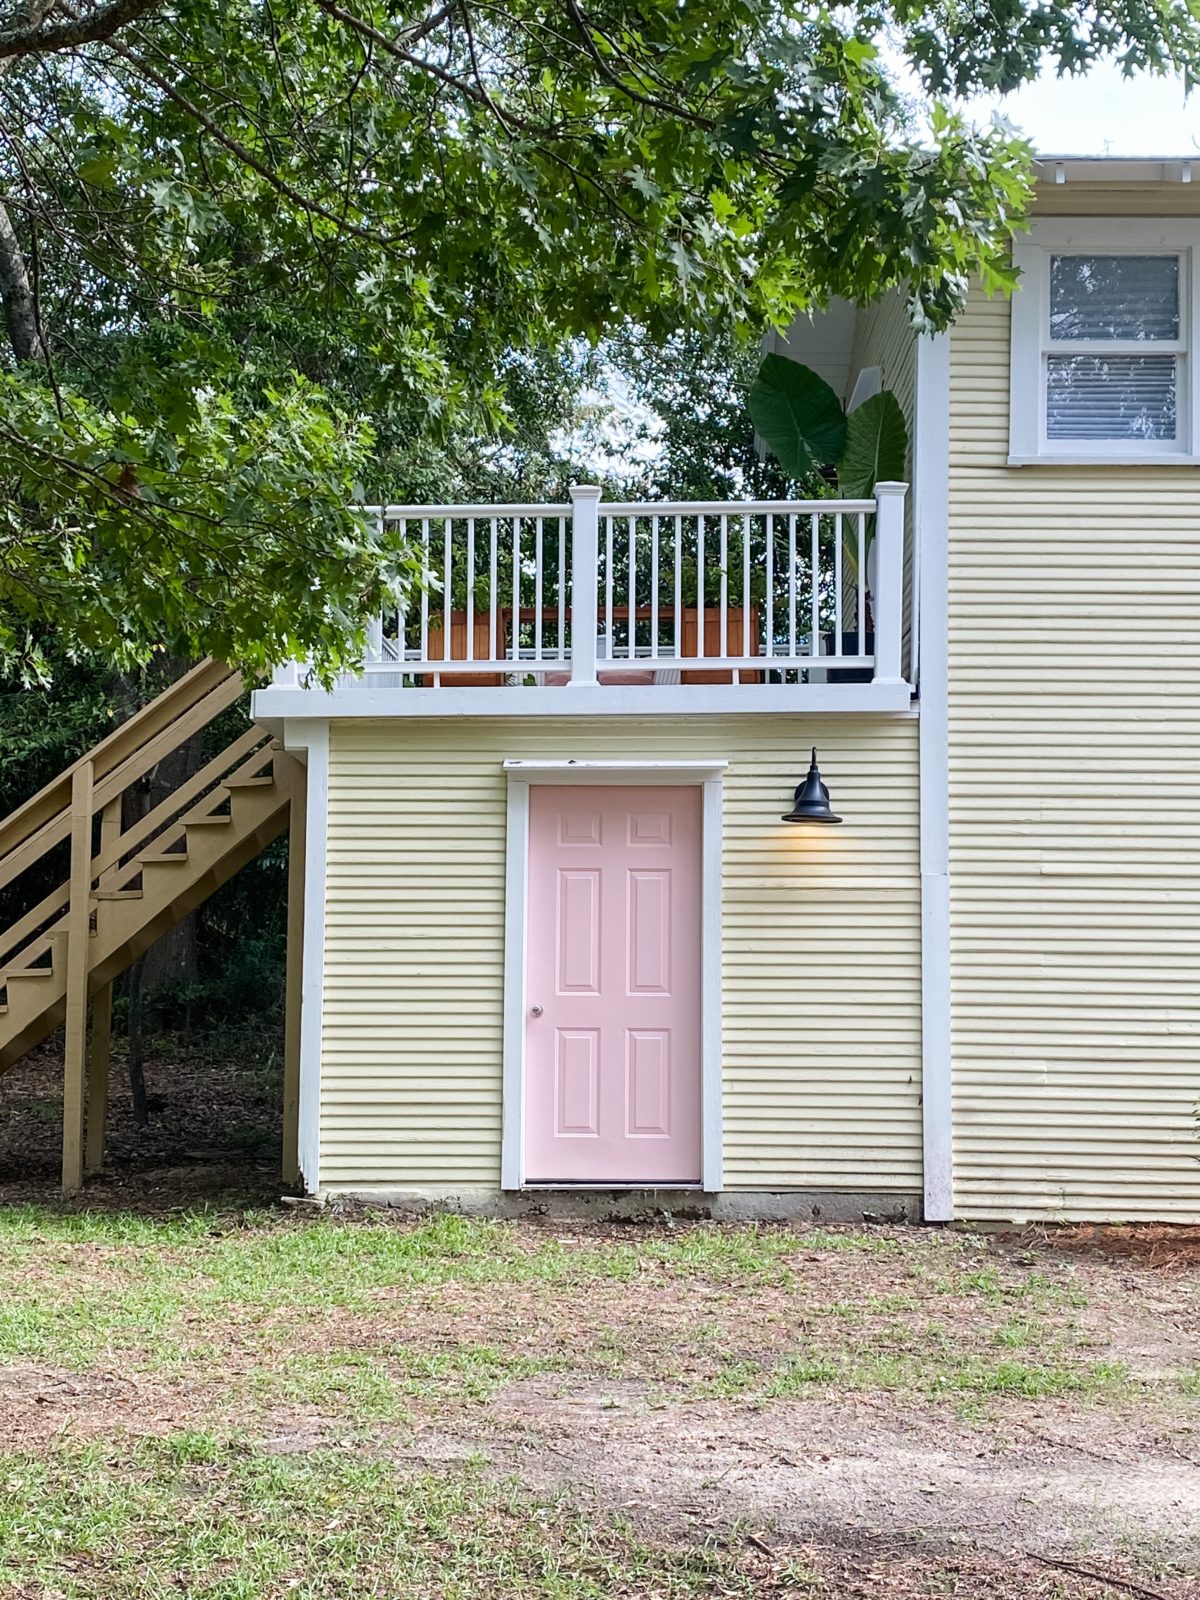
[310,741]
[623,772]
[607,700]
[931,508]
[521,775]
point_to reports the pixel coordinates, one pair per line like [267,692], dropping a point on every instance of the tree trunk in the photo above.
[16,293]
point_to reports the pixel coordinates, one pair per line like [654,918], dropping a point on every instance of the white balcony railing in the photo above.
[591,593]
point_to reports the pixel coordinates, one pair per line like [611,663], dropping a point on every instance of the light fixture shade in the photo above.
[812,799]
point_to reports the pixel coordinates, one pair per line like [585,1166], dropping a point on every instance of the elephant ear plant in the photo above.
[801,421]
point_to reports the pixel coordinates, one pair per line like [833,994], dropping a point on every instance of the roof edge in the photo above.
[1116,169]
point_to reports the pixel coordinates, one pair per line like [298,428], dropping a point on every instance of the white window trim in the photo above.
[521,775]
[1028,445]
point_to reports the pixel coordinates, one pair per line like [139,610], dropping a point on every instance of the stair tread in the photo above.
[208,821]
[170,856]
[248,783]
[116,894]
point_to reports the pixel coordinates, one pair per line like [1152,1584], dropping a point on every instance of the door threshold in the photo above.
[645,1185]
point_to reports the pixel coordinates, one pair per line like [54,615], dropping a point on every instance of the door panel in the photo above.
[612,1040]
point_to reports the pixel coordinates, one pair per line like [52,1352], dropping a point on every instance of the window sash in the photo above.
[1131,254]
[1115,402]
[1178,348]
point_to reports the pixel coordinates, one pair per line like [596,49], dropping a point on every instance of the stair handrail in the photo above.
[124,756]
[256,744]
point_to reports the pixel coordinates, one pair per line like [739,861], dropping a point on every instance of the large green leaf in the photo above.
[797,414]
[876,447]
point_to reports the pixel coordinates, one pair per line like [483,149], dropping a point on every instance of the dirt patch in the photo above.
[856,1470]
[209,1106]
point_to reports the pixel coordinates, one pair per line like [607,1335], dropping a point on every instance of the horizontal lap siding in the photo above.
[821,948]
[1075,819]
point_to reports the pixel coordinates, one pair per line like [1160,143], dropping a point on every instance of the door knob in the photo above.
[535,1011]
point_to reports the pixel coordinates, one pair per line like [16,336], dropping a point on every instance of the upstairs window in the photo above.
[1101,334]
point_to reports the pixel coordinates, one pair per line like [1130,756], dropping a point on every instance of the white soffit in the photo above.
[823,341]
[1116,169]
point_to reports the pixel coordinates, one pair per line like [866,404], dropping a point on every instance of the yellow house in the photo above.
[580,918]
[977,996]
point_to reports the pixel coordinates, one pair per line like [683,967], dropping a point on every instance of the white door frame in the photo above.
[521,776]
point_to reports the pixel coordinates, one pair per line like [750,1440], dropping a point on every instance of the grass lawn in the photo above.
[232,1402]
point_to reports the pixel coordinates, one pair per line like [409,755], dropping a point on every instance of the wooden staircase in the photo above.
[128,885]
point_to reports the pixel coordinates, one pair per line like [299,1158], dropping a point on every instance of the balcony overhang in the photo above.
[274,706]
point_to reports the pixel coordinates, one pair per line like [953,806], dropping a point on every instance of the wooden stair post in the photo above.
[101,1041]
[79,921]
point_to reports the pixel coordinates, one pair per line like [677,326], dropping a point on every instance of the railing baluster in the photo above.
[493,591]
[701,642]
[447,612]
[654,588]
[814,642]
[631,524]
[792,584]
[516,588]
[426,574]
[678,586]
[562,588]
[537,594]
[746,585]
[770,527]
[470,588]
[724,613]
[838,562]
[609,582]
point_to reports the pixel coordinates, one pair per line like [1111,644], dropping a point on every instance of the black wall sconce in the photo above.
[812,799]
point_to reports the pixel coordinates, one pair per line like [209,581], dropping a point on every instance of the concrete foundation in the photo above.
[645,1205]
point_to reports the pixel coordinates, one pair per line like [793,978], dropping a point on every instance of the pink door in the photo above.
[612,1026]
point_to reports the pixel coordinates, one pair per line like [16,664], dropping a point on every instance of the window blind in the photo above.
[1114,297]
[1111,397]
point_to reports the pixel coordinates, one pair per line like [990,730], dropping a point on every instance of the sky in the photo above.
[1103,114]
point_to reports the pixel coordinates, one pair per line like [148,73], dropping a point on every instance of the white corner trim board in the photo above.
[521,776]
[310,741]
[931,517]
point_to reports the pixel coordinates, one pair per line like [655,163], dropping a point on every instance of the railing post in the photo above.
[585,560]
[79,919]
[888,593]
[100,1043]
